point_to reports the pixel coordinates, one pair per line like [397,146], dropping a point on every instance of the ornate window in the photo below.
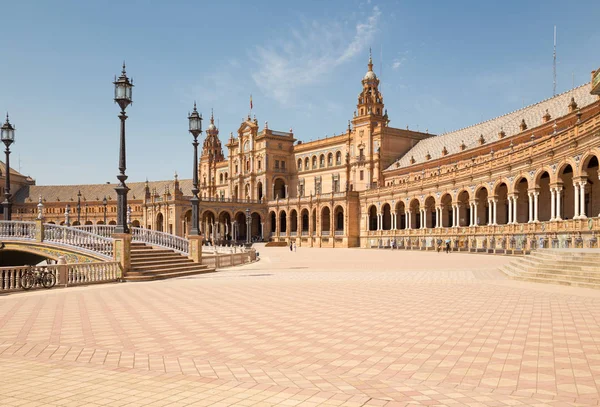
[329,159]
[299,164]
[338,158]
[322,161]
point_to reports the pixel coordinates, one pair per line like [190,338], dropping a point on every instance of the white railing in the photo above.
[339,233]
[218,260]
[66,274]
[67,236]
[102,230]
[325,233]
[87,273]
[161,239]
[17,230]
[223,249]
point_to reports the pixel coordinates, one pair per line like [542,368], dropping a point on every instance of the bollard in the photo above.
[62,271]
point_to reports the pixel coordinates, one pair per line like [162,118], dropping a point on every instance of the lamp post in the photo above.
[123,88]
[248,225]
[195,121]
[104,202]
[86,211]
[7,134]
[79,207]
[67,213]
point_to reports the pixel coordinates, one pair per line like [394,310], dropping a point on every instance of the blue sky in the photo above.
[446,65]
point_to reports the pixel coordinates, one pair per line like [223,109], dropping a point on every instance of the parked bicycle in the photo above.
[35,276]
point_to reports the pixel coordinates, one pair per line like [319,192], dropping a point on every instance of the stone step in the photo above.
[158,261]
[559,282]
[169,266]
[548,254]
[165,268]
[566,277]
[161,275]
[560,265]
[165,253]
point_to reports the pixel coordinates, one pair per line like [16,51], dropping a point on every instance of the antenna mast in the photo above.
[554,65]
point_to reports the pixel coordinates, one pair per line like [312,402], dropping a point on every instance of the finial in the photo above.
[370,60]
[175,175]
[123,71]
[195,106]
[212,117]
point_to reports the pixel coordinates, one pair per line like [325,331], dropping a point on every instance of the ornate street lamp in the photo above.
[79,207]
[123,89]
[67,213]
[195,121]
[104,202]
[86,211]
[248,225]
[7,135]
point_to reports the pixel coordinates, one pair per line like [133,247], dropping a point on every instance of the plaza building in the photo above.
[523,180]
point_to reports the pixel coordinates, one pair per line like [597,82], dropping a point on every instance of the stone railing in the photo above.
[80,239]
[102,230]
[223,249]
[17,230]
[160,239]
[66,274]
[219,260]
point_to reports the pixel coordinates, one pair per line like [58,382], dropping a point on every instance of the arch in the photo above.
[236,193]
[447,212]
[135,224]
[273,219]
[542,186]
[339,219]
[293,221]
[322,161]
[482,217]
[207,223]
[400,215]
[338,158]
[186,222]
[565,177]
[225,226]
[247,191]
[386,212]
[464,208]
[282,222]
[220,178]
[430,212]
[562,166]
[89,222]
[306,164]
[372,212]
[240,227]
[415,213]
[501,193]
[259,190]
[76,223]
[279,189]
[314,162]
[330,159]
[299,164]
[304,220]
[590,174]
[256,227]
[325,220]
[112,222]
[520,189]
[226,176]
[100,222]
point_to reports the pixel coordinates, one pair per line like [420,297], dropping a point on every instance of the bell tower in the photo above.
[370,101]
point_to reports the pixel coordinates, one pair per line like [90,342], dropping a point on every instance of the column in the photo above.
[379,221]
[582,200]
[576,198]
[393,221]
[552,204]
[515,218]
[495,202]
[262,230]
[536,195]
[509,210]
[490,212]
[408,220]
[423,219]
[456,215]
[558,199]
[530,204]
[475,210]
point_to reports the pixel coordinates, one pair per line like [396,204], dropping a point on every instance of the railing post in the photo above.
[63,278]
[122,251]
[195,249]
[39,230]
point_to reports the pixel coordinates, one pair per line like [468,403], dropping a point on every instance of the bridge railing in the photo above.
[160,239]
[102,230]
[66,274]
[67,236]
[17,230]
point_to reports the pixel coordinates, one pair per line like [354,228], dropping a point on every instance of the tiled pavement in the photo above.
[316,327]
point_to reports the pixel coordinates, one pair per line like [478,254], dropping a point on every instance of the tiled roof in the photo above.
[556,106]
[12,170]
[95,192]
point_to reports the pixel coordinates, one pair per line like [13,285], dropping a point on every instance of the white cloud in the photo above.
[312,52]
[397,63]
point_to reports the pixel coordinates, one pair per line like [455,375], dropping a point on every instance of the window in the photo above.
[329,159]
[259,164]
[237,170]
[248,166]
[338,158]
[361,153]
[322,161]
[362,175]
[299,164]
[306,163]
[220,178]
[314,162]
[276,164]
[283,165]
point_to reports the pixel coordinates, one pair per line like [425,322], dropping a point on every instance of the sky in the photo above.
[442,65]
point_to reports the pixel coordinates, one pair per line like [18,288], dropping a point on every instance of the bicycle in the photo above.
[34,276]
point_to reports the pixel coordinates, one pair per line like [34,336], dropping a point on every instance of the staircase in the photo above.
[149,263]
[578,268]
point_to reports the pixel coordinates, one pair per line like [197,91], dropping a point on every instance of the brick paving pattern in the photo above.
[316,327]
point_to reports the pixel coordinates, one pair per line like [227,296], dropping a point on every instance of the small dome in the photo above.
[212,126]
[370,75]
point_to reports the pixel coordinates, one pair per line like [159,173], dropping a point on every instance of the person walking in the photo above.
[294,246]
[291,246]
[447,245]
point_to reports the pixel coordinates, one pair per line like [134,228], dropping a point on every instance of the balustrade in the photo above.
[160,239]
[66,236]
[17,230]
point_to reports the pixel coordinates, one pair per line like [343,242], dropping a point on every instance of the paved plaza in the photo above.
[331,327]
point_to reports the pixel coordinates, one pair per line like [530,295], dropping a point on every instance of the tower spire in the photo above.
[370,60]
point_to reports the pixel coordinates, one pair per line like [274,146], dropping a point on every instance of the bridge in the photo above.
[92,254]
